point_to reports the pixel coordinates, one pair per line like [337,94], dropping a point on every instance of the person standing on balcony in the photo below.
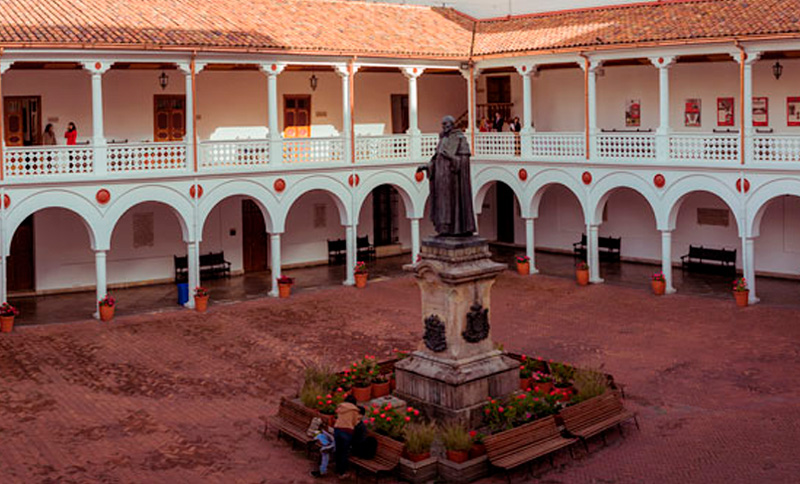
[498,122]
[71,134]
[49,135]
[515,126]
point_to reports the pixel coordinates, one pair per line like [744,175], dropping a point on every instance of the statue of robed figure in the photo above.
[449,177]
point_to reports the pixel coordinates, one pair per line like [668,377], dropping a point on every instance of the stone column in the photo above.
[193,261]
[188,138]
[662,133]
[3,275]
[749,267]
[347,115]
[350,264]
[747,120]
[100,274]
[97,69]
[415,142]
[593,254]
[666,259]
[414,240]
[273,70]
[591,94]
[275,264]
[530,248]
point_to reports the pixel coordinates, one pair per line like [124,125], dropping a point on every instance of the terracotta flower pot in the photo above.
[381,389]
[361,280]
[582,277]
[6,324]
[741,298]
[201,303]
[106,313]
[392,384]
[524,383]
[362,394]
[284,290]
[523,268]
[417,457]
[659,287]
[458,456]
[544,387]
[476,451]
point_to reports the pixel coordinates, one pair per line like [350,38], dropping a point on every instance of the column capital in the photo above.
[663,62]
[526,70]
[4,66]
[749,57]
[342,69]
[465,73]
[272,68]
[594,65]
[97,67]
[412,72]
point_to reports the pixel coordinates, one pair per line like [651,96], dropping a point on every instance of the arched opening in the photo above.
[777,249]
[559,224]
[499,221]
[383,221]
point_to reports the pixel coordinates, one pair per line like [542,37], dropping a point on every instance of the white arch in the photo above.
[413,200]
[482,182]
[542,180]
[339,193]
[86,211]
[169,196]
[678,191]
[605,187]
[262,196]
[759,200]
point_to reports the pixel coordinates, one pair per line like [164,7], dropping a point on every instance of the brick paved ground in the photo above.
[179,397]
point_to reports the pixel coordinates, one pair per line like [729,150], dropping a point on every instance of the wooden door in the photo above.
[23,120]
[21,274]
[505,213]
[169,117]
[399,113]
[254,238]
[384,215]
[296,116]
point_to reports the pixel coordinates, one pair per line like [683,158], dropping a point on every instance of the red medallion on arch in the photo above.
[586,177]
[353,180]
[196,192]
[98,65]
[103,196]
[746,185]
[6,201]
[523,174]
[279,185]
[659,180]
[419,176]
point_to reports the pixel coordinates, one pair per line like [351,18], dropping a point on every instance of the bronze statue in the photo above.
[450,183]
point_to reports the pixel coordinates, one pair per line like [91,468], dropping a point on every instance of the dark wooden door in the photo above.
[384,215]
[21,274]
[169,117]
[296,116]
[23,120]
[399,113]
[254,238]
[505,213]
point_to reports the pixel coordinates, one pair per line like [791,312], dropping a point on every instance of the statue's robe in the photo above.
[451,186]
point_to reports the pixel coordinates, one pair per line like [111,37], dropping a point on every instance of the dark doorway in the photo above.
[254,238]
[169,117]
[23,120]
[505,213]
[21,273]
[384,215]
[399,113]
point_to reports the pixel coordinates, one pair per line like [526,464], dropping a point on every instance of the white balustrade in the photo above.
[777,148]
[382,148]
[558,146]
[626,146]
[429,144]
[497,144]
[231,154]
[50,160]
[313,150]
[139,157]
[691,148]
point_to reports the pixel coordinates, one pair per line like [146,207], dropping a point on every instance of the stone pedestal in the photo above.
[456,370]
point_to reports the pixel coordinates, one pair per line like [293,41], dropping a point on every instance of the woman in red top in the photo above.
[71,134]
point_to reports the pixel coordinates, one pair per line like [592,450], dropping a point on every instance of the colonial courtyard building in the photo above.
[263,129]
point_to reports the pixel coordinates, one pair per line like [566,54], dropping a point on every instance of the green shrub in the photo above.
[588,384]
[419,437]
[321,374]
[456,437]
[310,392]
[562,373]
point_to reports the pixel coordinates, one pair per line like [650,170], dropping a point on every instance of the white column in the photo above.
[414,240]
[347,115]
[593,254]
[747,120]
[275,264]
[3,286]
[188,138]
[527,113]
[350,236]
[749,267]
[666,259]
[471,82]
[100,275]
[273,70]
[193,261]
[530,246]
[415,143]
[591,93]
[96,70]
[662,133]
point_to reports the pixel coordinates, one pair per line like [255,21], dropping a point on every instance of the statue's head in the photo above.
[448,122]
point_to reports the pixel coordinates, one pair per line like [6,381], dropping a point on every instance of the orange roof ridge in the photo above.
[620,6]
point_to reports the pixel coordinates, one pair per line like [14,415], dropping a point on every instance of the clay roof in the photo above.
[639,23]
[330,26]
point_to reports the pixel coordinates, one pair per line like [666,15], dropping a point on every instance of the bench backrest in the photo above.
[610,243]
[593,410]
[510,441]
[181,262]
[388,449]
[337,245]
[362,242]
[296,414]
[722,255]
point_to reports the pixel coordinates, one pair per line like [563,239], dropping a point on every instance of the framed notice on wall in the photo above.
[691,113]
[724,111]
[633,113]
[760,111]
[793,111]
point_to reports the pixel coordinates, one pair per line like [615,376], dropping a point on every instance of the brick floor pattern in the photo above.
[180,396]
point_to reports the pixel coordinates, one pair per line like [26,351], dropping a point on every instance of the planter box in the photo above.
[468,471]
[419,472]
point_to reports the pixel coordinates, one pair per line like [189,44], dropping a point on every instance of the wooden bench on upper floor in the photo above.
[702,257]
[521,445]
[387,456]
[293,420]
[609,247]
[596,415]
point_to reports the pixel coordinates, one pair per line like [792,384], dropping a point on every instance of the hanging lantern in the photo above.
[163,80]
[777,70]
[313,81]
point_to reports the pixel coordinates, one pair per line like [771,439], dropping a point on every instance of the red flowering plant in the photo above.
[740,285]
[582,266]
[285,280]
[200,291]
[361,268]
[326,404]
[476,437]
[659,277]
[531,365]
[364,372]
[389,421]
[563,373]
[107,301]
[521,259]
[499,415]
[8,310]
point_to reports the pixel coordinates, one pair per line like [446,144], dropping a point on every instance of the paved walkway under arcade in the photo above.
[163,297]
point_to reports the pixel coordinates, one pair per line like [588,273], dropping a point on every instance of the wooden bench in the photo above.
[702,257]
[608,247]
[212,265]
[365,250]
[513,448]
[595,416]
[337,251]
[293,420]
[387,456]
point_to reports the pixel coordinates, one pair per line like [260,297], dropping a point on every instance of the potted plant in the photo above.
[478,448]
[542,382]
[285,286]
[562,379]
[363,373]
[326,405]
[106,308]
[525,374]
[381,386]
[419,438]
[457,441]
[200,299]
[7,315]
[659,283]
[360,272]
[582,273]
[741,292]
[523,265]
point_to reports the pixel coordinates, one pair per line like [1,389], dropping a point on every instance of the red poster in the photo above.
[725,111]
[760,111]
[793,111]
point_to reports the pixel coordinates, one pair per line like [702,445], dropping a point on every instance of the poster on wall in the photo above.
[691,113]
[633,113]
[760,111]
[793,111]
[724,111]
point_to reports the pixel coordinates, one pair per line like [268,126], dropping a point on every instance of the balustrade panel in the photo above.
[703,147]
[146,157]
[558,145]
[429,144]
[626,146]
[776,148]
[497,144]
[218,155]
[51,160]
[313,150]
[382,148]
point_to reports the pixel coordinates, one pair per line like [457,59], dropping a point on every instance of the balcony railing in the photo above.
[692,148]
[382,148]
[776,148]
[558,146]
[233,155]
[313,150]
[146,157]
[626,146]
[27,162]
[497,145]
